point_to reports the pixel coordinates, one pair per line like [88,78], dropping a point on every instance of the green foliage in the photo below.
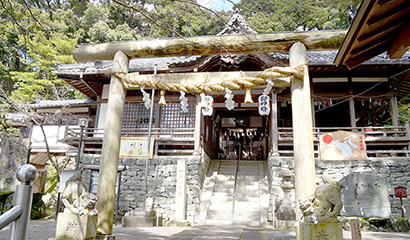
[52,180]
[39,35]
[184,18]
[3,199]
[35,41]
[6,128]
[38,208]
[296,15]
[404,110]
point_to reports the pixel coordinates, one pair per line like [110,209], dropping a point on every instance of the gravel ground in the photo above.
[45,229]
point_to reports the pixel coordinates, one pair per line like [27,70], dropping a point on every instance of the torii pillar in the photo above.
[304,161]
[111,147]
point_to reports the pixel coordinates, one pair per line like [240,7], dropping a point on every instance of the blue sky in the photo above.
[218,4]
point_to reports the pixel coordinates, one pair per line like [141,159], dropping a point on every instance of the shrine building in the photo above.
[219,156]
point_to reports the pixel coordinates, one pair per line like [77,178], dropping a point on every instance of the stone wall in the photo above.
[395,172]
[161,183]
[13,154]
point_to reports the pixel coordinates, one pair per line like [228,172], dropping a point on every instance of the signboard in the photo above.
[136,147]
[400,192]
[64,176]
[228,122]
[342,145]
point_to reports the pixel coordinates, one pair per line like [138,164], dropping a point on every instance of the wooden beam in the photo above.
[355,61]
[210,45]
[362,50]
[274,125]
[401,44]
[372,33]
[394,12]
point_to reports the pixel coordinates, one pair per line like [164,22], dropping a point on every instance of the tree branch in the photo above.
[148,16]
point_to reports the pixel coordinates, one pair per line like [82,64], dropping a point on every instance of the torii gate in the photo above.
[297,73]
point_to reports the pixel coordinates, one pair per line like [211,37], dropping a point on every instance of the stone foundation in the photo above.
[162,179]
[395,172]
[74,226]
[329,231]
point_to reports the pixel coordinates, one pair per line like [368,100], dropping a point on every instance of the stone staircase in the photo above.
[249,204]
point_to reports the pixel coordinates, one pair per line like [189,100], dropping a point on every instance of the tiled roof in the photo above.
[164,64]
[328,57]
[63,103]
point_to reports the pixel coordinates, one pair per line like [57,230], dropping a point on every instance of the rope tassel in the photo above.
[162,99]
[248,96]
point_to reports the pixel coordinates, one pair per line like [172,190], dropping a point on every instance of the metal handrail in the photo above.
[19,215]
[235,182]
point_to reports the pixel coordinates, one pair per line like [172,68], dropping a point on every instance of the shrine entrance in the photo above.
[242,134]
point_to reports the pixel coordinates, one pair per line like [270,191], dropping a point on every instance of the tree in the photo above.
[295,15]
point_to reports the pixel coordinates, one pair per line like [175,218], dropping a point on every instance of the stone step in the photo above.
[218,222]
[223,187]
[219,214]
[225,178]
[220,201]
[247,194]
[244,198]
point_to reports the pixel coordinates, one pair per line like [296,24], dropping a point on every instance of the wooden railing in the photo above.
[392,141]
[166,140]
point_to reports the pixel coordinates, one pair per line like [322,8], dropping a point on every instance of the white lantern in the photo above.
[209,106]
[264,105]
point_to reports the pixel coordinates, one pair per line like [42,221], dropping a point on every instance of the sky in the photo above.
[218,4]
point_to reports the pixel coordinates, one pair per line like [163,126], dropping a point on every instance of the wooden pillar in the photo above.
[352,109]
[304,161]
[111,148]
[274,125]
[312,103]
[394,111]
[197,134]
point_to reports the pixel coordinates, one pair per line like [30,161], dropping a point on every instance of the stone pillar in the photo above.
[111,147]
[394,111]
[304,165]
[180,199]
[285,216]
[274,125]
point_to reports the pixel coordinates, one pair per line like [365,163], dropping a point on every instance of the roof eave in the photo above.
[354,29]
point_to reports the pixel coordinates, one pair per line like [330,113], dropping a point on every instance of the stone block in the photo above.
[329,231]
[366,195]
[139,219]
[76,227]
